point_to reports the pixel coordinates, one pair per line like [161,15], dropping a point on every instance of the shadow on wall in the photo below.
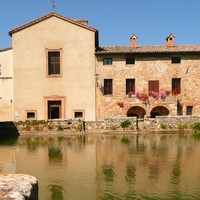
[8,130]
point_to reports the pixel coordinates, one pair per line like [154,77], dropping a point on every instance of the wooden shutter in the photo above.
[153,86]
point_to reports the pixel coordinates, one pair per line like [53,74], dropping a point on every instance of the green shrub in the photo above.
[125,124]
[50,127]
[163,126]
[182,126]
[60,128]
[196,127]
[36,128]
[79,127]
[113,127]
[27,127]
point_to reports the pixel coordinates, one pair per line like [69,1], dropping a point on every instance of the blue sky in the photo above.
[116,20]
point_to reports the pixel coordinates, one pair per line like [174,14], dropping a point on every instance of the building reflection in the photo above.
[107,167]
[141,163]
[56,192]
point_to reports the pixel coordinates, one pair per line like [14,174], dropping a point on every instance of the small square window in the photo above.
[130,61]
[30,115]
[176,60]
[79,114]
[189,110]
[107,61]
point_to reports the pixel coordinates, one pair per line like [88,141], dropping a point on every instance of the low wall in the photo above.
[165,122]
[18,186]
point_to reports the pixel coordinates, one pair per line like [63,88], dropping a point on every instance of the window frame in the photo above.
[60,51]
[128,59]
[107,61]
[174,85]
[189,110]
[81,111]
[31,111]
[108,87]
[130,87]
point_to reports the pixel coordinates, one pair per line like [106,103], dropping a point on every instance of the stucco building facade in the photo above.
[57,70]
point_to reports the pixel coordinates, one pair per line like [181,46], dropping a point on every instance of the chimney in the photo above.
[134,39]
[170,40]
[82,21]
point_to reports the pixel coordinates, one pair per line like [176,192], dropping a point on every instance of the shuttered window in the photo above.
[153,86]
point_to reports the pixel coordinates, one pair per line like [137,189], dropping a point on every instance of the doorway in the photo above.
[54,109]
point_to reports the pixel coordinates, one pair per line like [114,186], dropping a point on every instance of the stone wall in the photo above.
[163,122]
[147,67]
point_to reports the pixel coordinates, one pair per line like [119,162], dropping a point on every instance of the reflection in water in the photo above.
[130,173]
[55,155]
[56,192]
[107,167]
[176,168]
[108,173]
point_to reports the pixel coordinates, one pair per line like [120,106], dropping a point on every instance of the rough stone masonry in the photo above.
[18,187]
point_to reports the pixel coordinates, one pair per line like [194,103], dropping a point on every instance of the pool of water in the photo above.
[103,167]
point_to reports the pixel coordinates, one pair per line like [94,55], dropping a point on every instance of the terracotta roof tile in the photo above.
[148,49]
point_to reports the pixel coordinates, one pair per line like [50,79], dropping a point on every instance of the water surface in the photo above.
[102,167]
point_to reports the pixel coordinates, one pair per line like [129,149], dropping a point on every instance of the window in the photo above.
[130,85]
[31,115]
[189,110]
[130,61]
[176,86]
[108,86]
[79,114]
[54,62]
[153,86]
[176,60]
[107,61]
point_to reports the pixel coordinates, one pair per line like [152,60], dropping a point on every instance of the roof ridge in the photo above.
[47,16]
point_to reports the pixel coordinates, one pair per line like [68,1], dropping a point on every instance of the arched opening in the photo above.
[136,111]
[159,111]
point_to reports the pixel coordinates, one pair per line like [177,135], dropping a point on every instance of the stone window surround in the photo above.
[31,111]
[79,110]
[55,98]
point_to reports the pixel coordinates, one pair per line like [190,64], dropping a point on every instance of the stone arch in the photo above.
[136,111]
[159,111]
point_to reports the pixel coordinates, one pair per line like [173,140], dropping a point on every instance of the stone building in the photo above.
[146,81]
[57,70]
